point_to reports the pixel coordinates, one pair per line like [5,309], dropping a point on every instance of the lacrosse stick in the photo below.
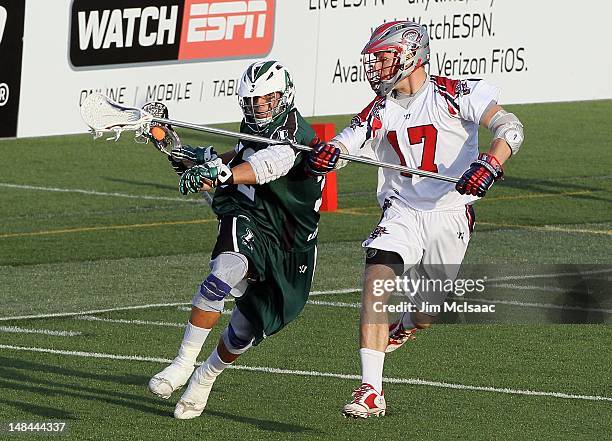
[103,115]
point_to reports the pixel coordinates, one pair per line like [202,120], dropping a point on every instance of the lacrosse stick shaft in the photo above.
[255,138]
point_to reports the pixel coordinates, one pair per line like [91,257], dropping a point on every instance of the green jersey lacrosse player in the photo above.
[265,254]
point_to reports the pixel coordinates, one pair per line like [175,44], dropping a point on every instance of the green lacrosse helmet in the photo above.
[265,93]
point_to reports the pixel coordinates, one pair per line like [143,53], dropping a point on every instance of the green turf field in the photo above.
[87,227]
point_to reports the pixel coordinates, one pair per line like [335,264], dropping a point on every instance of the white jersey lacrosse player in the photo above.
[428,123]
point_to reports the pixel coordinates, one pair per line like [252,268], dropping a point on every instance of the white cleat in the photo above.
[170,379]
[195,397]
[366,403]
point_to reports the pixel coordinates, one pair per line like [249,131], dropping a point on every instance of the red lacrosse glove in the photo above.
[480,176]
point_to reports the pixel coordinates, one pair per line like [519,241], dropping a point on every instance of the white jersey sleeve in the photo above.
[359,136]
[474,97]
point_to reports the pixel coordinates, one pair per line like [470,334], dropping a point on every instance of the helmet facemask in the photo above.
[259,111]
[382,69]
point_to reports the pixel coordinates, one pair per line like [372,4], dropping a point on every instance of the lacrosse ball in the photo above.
[158,133]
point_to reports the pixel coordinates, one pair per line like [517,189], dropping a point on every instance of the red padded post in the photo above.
[325,132]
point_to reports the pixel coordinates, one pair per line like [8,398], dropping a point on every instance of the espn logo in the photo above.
[136,31]
[224,29]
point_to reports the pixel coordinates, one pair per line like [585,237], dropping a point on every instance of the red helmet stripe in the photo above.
[382,28]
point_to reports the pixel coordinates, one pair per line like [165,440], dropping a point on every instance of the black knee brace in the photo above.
[382,257]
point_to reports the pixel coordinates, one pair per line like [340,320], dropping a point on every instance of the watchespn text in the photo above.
[140,31]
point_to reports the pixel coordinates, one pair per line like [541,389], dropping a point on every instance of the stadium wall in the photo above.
[190,53]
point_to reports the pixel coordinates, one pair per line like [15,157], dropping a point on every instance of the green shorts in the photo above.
[279,280]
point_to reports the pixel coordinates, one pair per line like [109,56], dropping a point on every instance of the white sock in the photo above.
[372,367]
[407,320]
[191,345]
[212,367]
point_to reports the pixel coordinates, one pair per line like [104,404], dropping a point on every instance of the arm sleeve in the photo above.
[364,127]
[474,98]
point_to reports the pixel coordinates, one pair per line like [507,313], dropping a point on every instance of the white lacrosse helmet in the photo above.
[266,92]
[395,50]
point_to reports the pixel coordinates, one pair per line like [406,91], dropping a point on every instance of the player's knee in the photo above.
[236,344]
[227,271]
[230,267]
[211,295]
[238,336]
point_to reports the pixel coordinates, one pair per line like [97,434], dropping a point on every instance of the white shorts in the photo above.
[432,244]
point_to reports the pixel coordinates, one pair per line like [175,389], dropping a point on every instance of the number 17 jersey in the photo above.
[437,131]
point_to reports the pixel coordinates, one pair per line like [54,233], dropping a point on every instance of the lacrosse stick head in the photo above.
[162,136]
[103,115]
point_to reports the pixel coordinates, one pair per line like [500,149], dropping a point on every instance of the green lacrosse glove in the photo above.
[213,174]
[197,155]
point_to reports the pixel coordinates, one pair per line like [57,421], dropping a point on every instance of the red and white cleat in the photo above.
[398,335]
[366,402]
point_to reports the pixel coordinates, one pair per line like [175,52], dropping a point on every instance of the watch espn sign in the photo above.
[116,32]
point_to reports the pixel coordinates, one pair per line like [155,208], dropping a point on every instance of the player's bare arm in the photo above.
[508,137]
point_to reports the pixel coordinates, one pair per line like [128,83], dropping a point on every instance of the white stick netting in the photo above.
[102,114]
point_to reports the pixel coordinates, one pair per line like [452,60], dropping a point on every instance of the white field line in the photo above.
[184,308]
[336,291]
[545,276]
[93,311]
[188,309]
[270,370]
[98,193]
[334,304]
[18,330]
[91,318]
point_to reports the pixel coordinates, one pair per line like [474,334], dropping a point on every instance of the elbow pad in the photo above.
[506,126]
[272,162]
